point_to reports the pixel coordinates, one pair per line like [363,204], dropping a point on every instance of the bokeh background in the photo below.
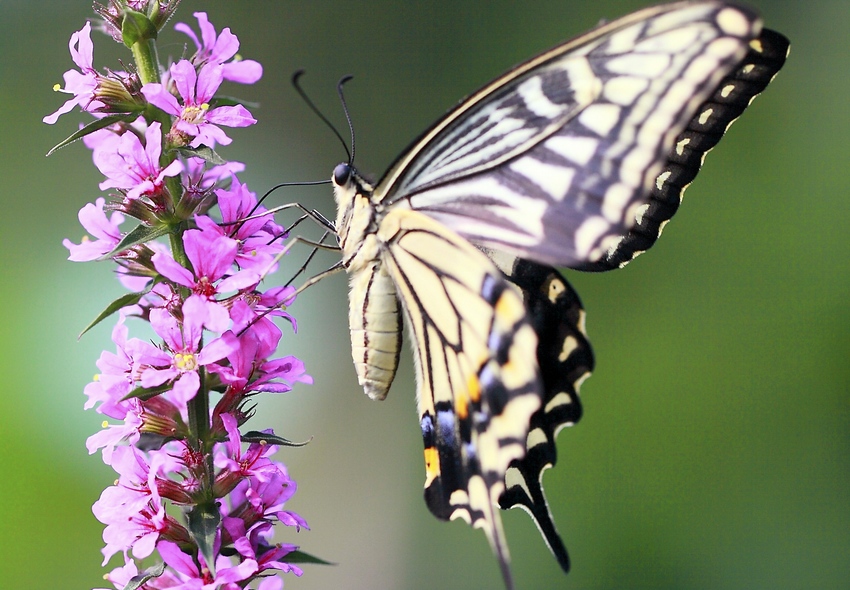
[715,447]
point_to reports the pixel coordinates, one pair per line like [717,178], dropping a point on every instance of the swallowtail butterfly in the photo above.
[576,158]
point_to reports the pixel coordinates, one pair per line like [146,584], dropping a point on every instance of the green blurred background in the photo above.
[715,447]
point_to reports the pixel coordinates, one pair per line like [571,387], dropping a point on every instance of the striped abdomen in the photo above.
[375,324]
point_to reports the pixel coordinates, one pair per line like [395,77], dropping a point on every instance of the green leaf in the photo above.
[136,27]
[137,581]
[202,522]
[140,235]
[146,393]
[301,557]
[272,439]
[123,301]
[94,126]
[204,152]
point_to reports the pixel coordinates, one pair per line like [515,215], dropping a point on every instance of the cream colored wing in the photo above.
[476,366]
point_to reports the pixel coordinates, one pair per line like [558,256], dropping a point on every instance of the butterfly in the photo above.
[576,158]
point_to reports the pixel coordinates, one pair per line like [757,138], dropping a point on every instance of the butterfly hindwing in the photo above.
[478,383]
[565,360]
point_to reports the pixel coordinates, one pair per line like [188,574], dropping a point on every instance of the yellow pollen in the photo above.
[205,106]
[104,424]
[96,377]
[185,361]
[57,87]
[194,114]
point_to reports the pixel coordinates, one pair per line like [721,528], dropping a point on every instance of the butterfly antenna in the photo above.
[347,115]
[295,82]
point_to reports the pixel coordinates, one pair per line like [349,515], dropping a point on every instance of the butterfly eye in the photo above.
[342,174]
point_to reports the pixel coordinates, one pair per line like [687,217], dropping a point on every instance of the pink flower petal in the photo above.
[209,79]
[185,78]
[159,97]
[231,116]
[170,269]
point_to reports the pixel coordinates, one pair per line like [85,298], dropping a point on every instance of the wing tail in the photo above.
[565,359]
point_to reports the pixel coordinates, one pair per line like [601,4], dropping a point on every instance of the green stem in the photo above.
[199,416]
[147,61]
[177,252]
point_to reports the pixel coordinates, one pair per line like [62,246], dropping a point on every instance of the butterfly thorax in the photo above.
[355,221]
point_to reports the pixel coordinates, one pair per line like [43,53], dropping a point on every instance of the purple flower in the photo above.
[182,357]
[195,118]
[114,434]
[253,463]
[256,544]
[200,178]
[118,374]
[259,238]
[135,168]
[93,218]
[211,256]
[132,509]
[82,84]
[121,576]
[166,463]
[193,578]
[219,49]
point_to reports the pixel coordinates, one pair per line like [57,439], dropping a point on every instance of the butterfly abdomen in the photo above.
[375,326]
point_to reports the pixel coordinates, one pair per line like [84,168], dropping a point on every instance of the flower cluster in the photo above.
[191,488]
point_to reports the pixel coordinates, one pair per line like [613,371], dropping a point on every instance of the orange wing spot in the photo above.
[432,465]
[461,406]
[473,386]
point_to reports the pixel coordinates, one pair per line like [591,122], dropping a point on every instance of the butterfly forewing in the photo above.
[733,94]
[580,187]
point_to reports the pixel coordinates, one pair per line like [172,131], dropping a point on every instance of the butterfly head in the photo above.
[355,212]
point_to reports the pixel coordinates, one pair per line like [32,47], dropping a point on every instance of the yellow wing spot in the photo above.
[662,178]
[570,344]
[705,116]
[680,146]
[508,309]
[432,465]
[757,46]
[521,367]
[555,288]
